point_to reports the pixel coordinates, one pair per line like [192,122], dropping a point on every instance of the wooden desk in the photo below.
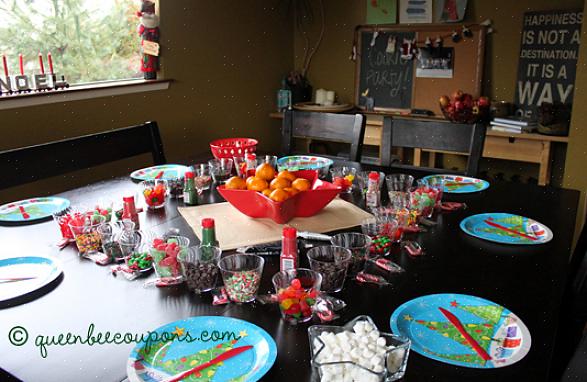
[525,147]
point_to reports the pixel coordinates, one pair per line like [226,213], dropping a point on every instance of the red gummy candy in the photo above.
[296,284]
[157,242]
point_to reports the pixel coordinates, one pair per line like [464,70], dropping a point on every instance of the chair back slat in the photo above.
[28,164]
[434,135]
[343,128]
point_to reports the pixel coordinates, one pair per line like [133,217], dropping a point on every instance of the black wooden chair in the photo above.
[432,135]
[29,164]
[330,127]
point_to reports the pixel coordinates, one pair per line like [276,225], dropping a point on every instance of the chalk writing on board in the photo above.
[548,59]
[386,76]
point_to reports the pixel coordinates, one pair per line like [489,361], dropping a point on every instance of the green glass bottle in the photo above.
[190,194]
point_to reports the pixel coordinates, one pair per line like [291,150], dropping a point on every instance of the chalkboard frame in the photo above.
[475,61]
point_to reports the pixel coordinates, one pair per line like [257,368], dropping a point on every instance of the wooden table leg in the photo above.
[417,157]
[544,171]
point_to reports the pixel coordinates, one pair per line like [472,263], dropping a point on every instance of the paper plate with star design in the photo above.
[462,330]
[183,345]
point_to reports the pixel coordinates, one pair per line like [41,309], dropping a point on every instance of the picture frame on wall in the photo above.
[415,11]
[449,11]
[381,12]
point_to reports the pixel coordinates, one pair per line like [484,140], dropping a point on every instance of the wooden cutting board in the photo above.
[233,229]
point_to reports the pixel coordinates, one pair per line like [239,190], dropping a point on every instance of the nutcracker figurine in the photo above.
[149,32]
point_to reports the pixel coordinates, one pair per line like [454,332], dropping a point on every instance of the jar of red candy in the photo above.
[297,291]
[155,192]
[165,255]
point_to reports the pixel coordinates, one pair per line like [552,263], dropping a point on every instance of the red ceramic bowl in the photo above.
[303,204]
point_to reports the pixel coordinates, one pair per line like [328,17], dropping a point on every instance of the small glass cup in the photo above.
[396,220]
[240,164]
[176,185]
[398,189]
[203,179]
[359,244]
[423,199]
[296,298]
[241,275]
[220,169]
[270,159]
[155,192]
[85,231]
[397,350]
[129,242]
[436,183]
[343,177]
[110,246]
[165,256]
[199,267]
[332,263]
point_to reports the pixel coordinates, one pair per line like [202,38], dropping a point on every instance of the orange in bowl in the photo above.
[287,175]
[301,184]
[278,195]
[279,183]
[291,191]
[236,183]
[257,184]
[265,171]
[267,192]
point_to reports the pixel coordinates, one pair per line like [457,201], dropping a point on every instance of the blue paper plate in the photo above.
[497,330]
[41,270]
[506,229]
[169,172]
[170,356]
[456,184]
[31,210]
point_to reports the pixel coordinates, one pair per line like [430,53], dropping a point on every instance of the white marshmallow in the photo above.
[381,341]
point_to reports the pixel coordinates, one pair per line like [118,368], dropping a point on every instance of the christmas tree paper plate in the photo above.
[455,184]
[434,324]
[182,345]
[164,171]
[31,210]
[506,229]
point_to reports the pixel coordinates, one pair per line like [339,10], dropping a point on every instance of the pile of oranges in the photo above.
[277,186]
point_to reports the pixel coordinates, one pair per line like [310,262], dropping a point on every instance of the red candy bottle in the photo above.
[130,211]
[289,249]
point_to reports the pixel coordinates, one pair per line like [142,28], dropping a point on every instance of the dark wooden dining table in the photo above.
[528,280]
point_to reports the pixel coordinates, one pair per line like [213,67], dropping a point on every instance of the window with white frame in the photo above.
[89,40]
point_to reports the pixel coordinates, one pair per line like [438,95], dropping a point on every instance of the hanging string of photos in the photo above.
[24,83]
[409,47]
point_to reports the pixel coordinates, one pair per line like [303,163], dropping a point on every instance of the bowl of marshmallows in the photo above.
[357,351]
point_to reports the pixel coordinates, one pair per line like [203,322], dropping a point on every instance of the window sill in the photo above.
[81,92]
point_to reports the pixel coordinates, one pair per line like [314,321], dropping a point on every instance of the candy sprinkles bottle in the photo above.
[209,233]
[373,196]
[289,249]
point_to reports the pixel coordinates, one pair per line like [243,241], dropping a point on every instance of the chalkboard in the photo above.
[548,59]
[387,77]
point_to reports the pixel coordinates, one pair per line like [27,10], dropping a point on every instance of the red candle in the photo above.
[21,64]
[41,63]
[5,66]
[50,59]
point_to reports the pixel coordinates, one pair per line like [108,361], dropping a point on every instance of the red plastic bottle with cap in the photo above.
[289,249]
[209,233]
[130,211]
